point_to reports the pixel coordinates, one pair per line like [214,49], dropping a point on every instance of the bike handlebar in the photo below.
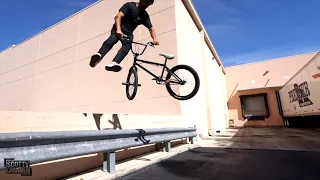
[148,44]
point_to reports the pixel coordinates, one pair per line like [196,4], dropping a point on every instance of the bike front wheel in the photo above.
[176,83]
[132,81]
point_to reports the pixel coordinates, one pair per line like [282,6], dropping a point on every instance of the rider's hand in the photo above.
[156,42]
[119,33]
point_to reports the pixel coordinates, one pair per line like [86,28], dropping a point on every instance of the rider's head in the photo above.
[144,4]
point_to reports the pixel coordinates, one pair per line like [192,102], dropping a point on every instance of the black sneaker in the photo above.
[95,59]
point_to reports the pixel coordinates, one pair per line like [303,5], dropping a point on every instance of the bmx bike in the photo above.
[160,80]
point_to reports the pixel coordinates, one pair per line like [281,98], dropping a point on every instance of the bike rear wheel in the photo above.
[132,81]
[176,81]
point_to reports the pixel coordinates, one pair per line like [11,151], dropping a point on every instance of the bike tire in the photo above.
[133,72]
[197,82]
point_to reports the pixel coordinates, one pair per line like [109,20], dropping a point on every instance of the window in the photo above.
[254,107]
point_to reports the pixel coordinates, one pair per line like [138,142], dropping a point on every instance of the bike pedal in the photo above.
[129,84]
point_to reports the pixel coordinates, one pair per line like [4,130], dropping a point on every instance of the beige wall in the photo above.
[240,77]
[50,73]
[216,97]
[252,78]
[53,66]
[12,121]
[52,69]
[235,112]
[46,83]
[189,52]
[206,110]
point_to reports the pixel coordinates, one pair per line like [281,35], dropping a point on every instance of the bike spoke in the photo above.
[176,76]
[180,89]
[131,83]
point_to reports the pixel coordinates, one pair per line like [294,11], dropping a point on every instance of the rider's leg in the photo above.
[122,53]
[105,48]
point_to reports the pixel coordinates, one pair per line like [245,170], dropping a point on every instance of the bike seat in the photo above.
[167,56]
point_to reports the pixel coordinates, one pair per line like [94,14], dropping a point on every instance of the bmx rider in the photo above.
[130,15]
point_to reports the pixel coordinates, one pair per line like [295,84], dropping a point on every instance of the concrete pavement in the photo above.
[206,163]
[266,138]
[248,153]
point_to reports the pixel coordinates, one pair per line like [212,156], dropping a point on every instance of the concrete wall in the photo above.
[235,112]
[216,97]
[50,73]
[261,77]
[209,112]
[189,52]
[253,75]
[46,83]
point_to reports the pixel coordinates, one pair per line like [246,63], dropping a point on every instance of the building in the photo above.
[46,83]
[251,97]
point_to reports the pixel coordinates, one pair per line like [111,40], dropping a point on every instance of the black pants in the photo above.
[111,41]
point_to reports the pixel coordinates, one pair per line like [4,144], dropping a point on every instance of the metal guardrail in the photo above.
[37,147]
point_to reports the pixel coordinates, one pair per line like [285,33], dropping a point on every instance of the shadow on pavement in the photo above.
[248,153]
[211,163]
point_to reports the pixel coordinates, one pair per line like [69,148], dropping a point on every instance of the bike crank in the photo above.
[162,81]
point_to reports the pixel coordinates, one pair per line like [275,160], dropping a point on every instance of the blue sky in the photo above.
[242,31]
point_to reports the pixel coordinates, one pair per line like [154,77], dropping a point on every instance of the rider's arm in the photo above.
[118,20]
[153,33]
[122,11]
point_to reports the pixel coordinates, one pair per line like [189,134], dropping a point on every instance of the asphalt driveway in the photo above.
[249,153]
[267,138]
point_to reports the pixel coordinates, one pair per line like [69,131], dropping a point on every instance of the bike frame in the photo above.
[152,63]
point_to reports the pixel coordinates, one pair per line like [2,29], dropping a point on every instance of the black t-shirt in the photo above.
[133,17]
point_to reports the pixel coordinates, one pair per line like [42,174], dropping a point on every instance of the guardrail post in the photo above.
[167,146]
[109,162]
[164,146]
[191,139]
